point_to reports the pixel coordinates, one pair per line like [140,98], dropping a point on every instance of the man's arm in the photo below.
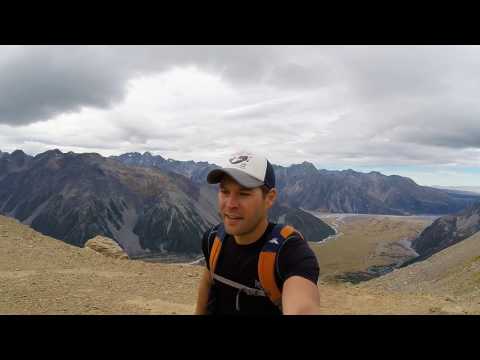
[203,291]
[300,297]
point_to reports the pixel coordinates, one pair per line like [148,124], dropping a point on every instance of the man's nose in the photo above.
[232,201]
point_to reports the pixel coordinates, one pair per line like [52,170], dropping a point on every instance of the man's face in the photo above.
[242,209]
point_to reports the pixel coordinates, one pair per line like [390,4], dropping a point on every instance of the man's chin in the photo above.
[233,230]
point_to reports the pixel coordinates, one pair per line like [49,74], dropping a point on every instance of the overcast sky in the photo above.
[407,110]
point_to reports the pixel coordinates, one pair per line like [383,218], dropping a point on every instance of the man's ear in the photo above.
[271,197]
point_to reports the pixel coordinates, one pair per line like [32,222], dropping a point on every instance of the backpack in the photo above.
[267,262]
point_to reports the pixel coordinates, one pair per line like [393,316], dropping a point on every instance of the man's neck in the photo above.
[253,236]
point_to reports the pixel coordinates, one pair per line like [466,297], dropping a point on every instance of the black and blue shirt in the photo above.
[239,263]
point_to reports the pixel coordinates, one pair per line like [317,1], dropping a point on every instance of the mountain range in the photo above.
[150,204]
[304,186]
[146,209]
[349,191]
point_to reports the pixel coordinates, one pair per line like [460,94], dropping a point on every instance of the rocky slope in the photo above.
[447,231]
[452,272]
[74,197]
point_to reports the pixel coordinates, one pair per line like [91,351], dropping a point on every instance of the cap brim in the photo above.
[216,175]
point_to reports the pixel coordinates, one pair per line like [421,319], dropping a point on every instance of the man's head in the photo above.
[247,191]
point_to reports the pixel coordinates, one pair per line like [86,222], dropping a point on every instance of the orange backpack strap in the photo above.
[216,247]
[267,262]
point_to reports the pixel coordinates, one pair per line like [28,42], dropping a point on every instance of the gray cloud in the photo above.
[379,71]
[292,75]
[446,123]
[40,82]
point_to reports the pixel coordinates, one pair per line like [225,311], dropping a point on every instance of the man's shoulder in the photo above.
[291,241]
[294,242]
[296,257]
[292,234]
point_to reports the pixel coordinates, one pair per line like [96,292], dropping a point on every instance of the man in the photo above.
[239,264]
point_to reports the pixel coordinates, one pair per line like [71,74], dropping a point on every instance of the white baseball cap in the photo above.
[248,169]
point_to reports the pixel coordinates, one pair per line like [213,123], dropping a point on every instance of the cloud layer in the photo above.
[336,106]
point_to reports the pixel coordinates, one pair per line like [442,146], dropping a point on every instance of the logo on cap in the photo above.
[239,160]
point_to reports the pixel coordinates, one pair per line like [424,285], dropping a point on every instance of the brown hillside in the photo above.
[41,275]
[453,272]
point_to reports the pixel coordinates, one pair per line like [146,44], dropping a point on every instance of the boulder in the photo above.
[106,247]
